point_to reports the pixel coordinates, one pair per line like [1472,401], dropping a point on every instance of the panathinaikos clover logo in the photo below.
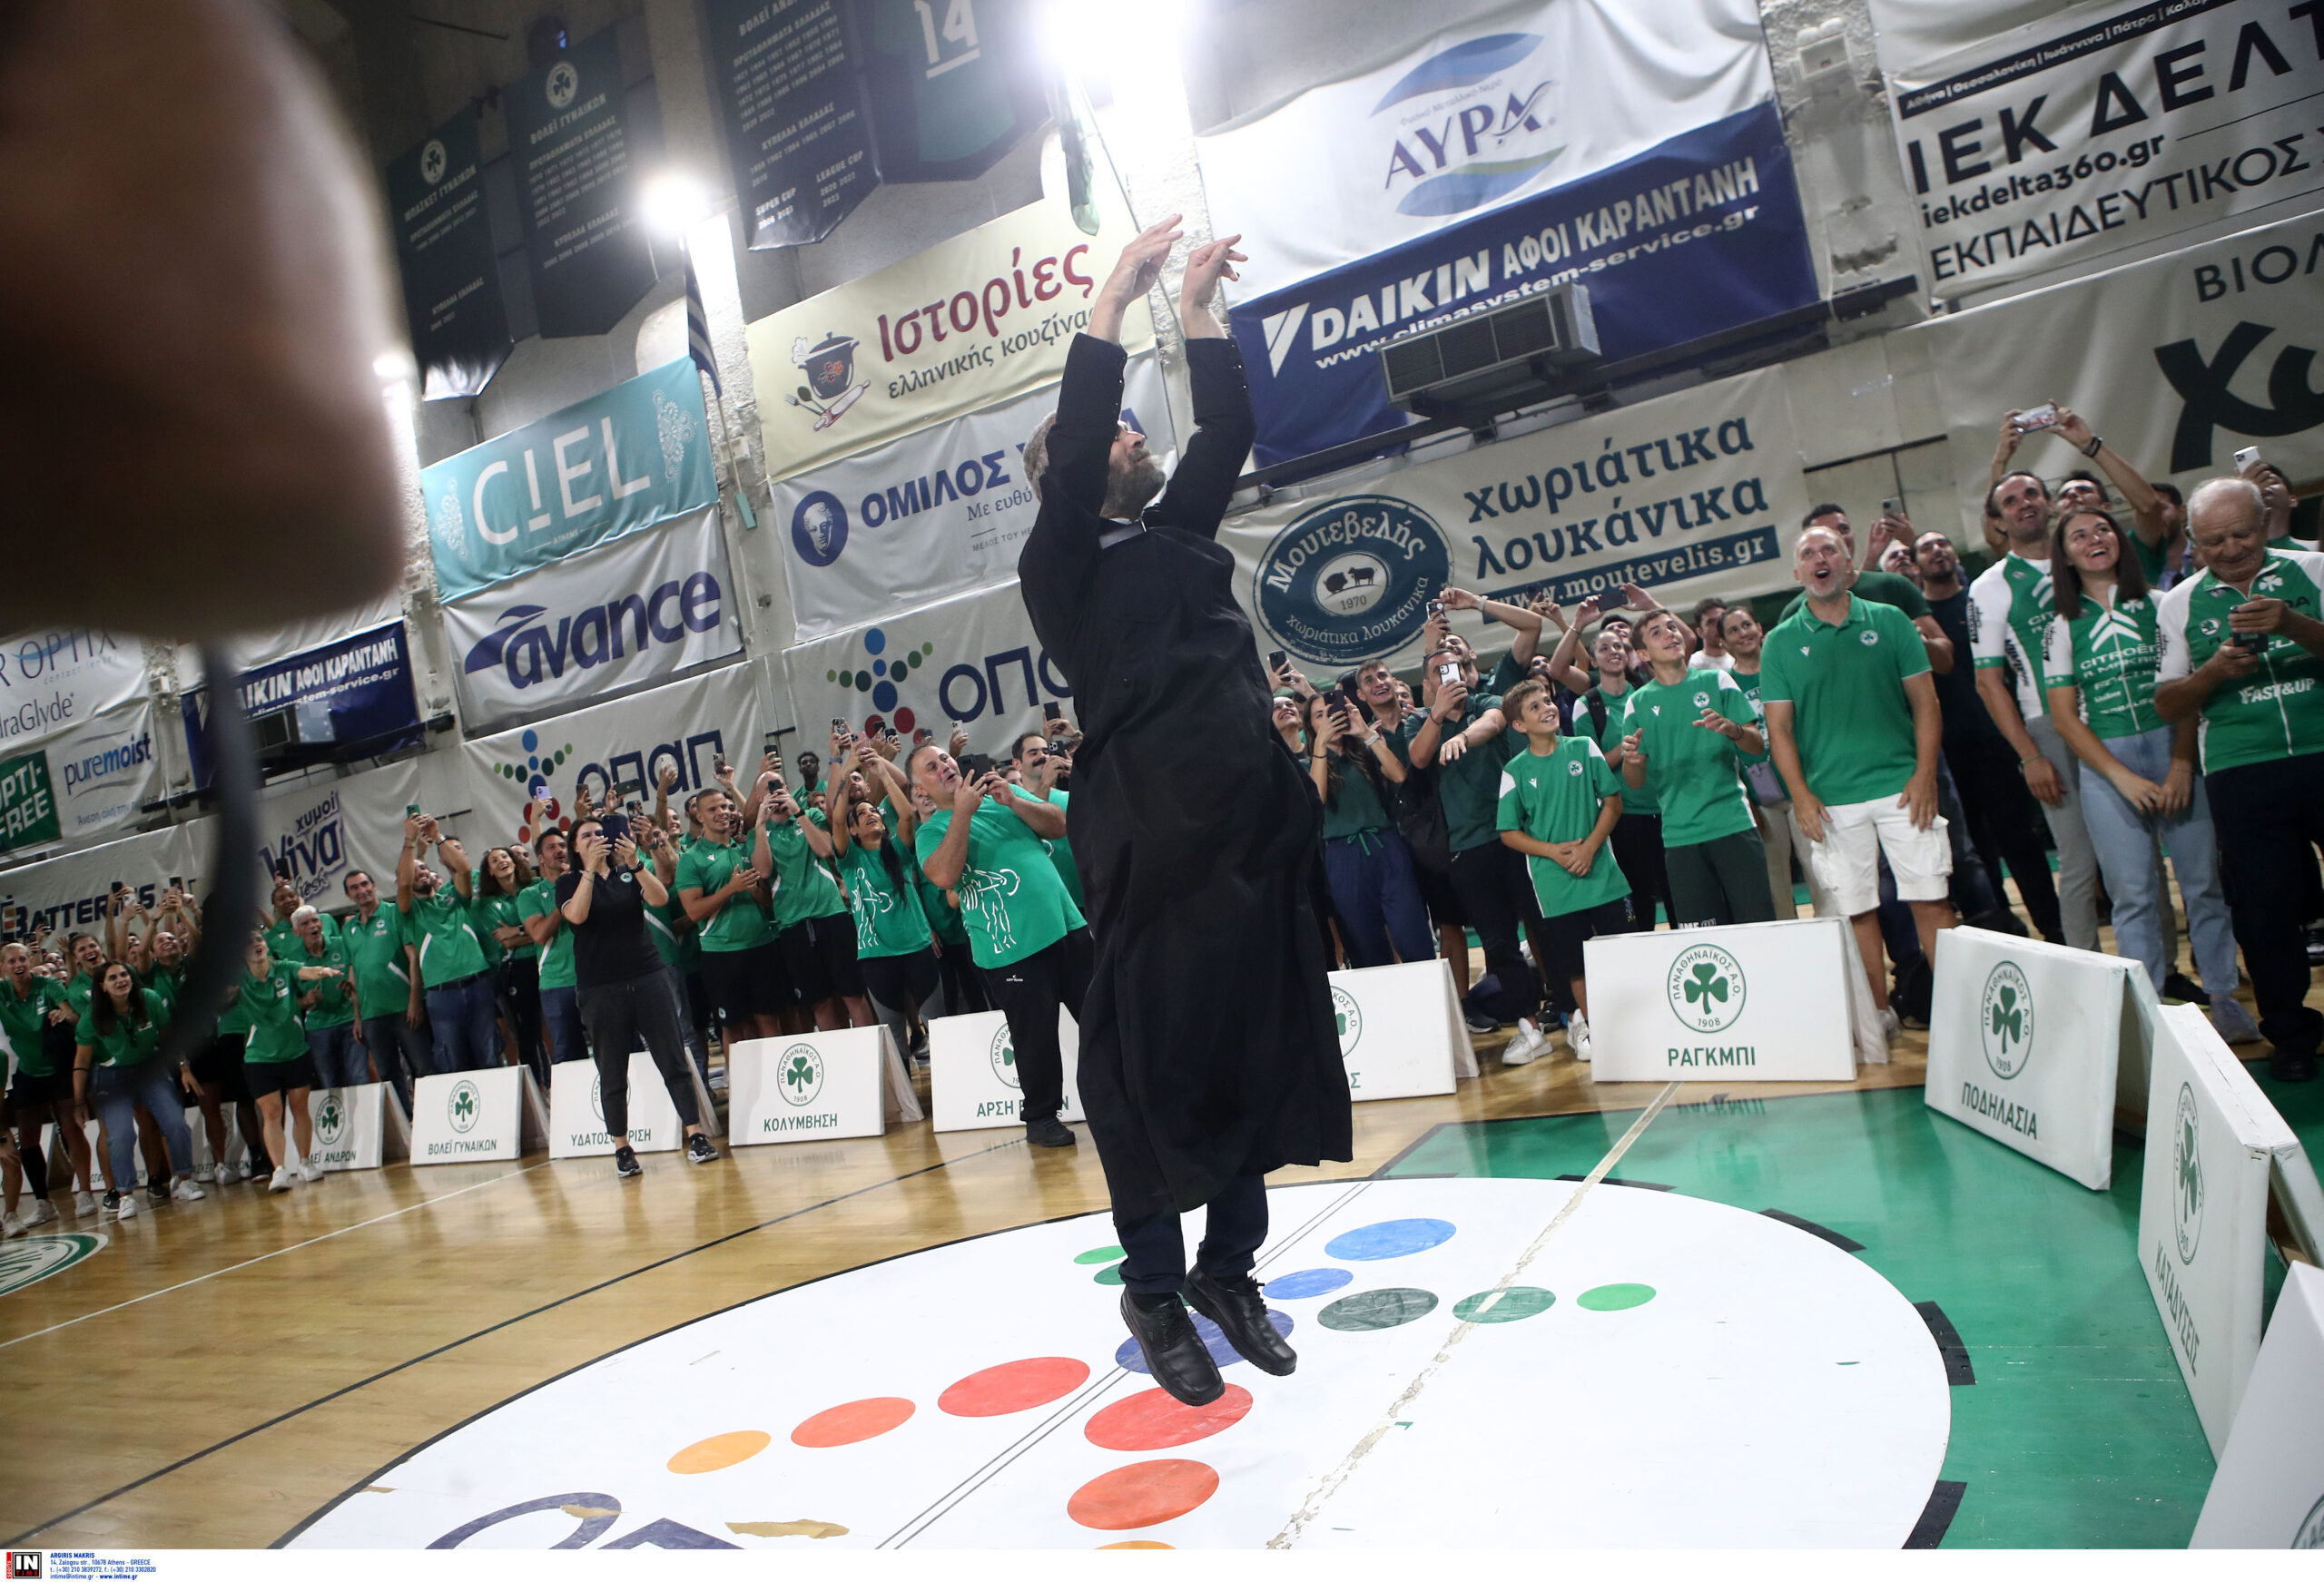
[1706,988]
[2005,1019]
[467,1104]
[1348,1017]
[2187,1174]
[799,1075]
[1003,1056]
[331,1118]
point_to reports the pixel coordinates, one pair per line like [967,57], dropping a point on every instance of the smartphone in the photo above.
[975,765]
[411,809]
[2042,417]
[1052,711]
[1436,609]
[1892,507]
[839,726]
[176,883]
[615,827]
[773,741]
[1355,703]
[2251,641]
[1449,673]
[922,735]
[718,762]
[1277,660]
[2246,459]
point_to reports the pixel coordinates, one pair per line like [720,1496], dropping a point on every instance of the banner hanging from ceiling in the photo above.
[444,253]
[569,136]
[318,831]
[954,84]
[798,139]
[56,680]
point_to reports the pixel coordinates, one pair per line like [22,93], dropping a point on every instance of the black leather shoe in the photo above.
[1233,1302]
[2291,1066]
[1049,1132]
[2180,986]
[1175,1355]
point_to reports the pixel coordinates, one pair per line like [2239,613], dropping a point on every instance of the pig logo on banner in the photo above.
[831,386]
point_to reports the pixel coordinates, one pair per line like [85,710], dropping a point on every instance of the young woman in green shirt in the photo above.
[499,922]
[1366,864]
[894,948]
[38,1022]
[276,1065]
[116,1068]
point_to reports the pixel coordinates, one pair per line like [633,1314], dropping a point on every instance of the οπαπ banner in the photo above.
[1699,234]
[444,250]
[53,681]
[2108,126]
[2179,362]
[931,514]
[1689,495]
[596,470]
[624,614]
[970,322]
[576,188]
[954,84]
[797,137]
[356,694]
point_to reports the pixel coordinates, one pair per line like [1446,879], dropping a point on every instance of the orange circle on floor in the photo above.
[1016,1386]
[1141,1495]
[720,1451]
[1139,1544]
[852,1422]
[1153,1420]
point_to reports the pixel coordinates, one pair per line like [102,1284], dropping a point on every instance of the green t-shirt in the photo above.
[1846,684]
[1749,685]
[267,1009]
[25,1020]
[439,925]
[375,950]
[2278,709]
[125,1045]
[2010,610]
[1554,797]
[77,990]
[284,942]
[1464,787]
[498,911]
[1061,853]
[2109,655]
[1691,771]
[1011,900]
[333,1007]
[1637,801]
[739,925]
[162,981]
[888,920]
[539,901]
[1882,588]
[1355,806]
[803,887]
[675,939]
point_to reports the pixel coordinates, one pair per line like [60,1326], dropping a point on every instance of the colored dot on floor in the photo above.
[1139,1544]
[1614,1298]
[1108,1276]
[1389,1239]
[1016,1386]
[1378,1310]
[720,1451]
[1308,1282]
[1152,1420]
[1098,1256]
[852,1422]
[1519,1301]
[1141,1495]
[1221,1351]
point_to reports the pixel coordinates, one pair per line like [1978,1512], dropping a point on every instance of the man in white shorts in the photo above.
[1854,723]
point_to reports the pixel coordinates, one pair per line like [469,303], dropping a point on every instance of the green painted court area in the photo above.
[2078,1431]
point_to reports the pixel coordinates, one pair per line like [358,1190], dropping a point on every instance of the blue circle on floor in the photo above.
[1308,1282]
[1222,1354]
[1389,1239]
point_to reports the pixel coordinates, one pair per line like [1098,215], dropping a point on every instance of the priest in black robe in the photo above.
[1209,1052]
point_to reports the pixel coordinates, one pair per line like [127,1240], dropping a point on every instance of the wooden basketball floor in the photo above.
[219,1372]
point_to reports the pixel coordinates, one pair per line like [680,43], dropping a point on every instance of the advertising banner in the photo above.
[317,833]
[1748,1001]
[1691,494]
[798,142]
[2107,126]
[357,1129]
[584,241]
[953,87]
[55,680]
[969,323]
[1699,234]
[687,723]
[356,693]
[2268,1490]
[601,467]
[2179,362]
[80,784]
[931,514]
[577,1110]
[69,891]
[626,613]
[444,253]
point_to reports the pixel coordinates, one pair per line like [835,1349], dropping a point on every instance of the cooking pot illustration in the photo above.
[831,386]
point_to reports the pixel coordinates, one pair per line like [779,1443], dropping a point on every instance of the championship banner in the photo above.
[317,833]
[932,515]
[55,680]
[2107,126]
[798,141]
[353,698]
[1689,495]
[953,88]
[444,253]
[624,614]
[569,140]
[972,322]
[602,467]
[69,891]
[690,723]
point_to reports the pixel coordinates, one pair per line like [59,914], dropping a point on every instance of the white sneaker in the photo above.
[128,1209]
[12,1225]
[205,1174]
[184,1190]
[1526,1046]
[1892,1025]
[43,1210]
[243,1172]
[1577,1035]
[85,1205]
[282,1178]
[310,1171]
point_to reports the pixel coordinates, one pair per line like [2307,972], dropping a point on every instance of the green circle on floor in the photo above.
[1099,1255]
[1519,1301]
[1111,1276]
[1378,1310]
[1614,1298]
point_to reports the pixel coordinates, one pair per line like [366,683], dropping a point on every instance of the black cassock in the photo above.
[1207,1043]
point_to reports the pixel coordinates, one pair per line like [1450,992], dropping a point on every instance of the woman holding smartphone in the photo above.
[116,1064]
[894,947]
[1366,864]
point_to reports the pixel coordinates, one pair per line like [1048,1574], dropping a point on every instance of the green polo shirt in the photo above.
[2108,654]
[375,950]
[1355,806]
[706,866]
[1691,770]
[335,1007]
[675,939]
[24,1020]
[1466,788]
[162,981]
[2278,709]
[439,925]
[1556,796]
[1846,684]
[267,1008]
[125,1045]
[283,940]
[1061,853]
[1749,685]
[1011,900]
[539,901]
[803,887]
[889,920]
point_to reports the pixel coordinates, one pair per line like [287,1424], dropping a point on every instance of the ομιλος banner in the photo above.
[596,470]
[931,514]
[798,141]
[2104,127]
[444,253]
[577,189]
[359,688]
[624,614]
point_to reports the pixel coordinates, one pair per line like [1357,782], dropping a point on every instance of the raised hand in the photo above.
[1135,273]
[1712,720]
[1206,265]
[1460,599]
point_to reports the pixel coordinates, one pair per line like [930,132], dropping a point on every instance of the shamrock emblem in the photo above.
[2190,1168]
[1706,986]
[799,1074]
[464,1104]
[2008,1017]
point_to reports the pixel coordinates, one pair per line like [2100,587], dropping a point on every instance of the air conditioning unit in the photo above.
[1493,362]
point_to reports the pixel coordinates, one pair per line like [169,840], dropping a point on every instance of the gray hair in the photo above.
[2239,495]
[1037,453]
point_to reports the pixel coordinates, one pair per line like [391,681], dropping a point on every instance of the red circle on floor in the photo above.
[1141,1495]
[852,1422]
[1016,1386]
[1153,1420]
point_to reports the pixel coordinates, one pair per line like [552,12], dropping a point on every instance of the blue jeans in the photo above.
[117,1091]
[1377,899]
[399,1050]
[339,1062]
[460,1015]
[561,1014]
[2125,838]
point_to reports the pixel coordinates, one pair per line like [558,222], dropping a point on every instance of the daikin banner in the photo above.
[2104,127]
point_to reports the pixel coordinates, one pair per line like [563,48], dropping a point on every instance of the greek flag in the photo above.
[698,330]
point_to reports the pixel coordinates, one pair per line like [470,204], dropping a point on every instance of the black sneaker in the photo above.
[1478,1023]
[158,1191]
[699,1151]
[625,1163]
[2179,985]
[112,1202]
[2292,1065]
[1050,1133]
